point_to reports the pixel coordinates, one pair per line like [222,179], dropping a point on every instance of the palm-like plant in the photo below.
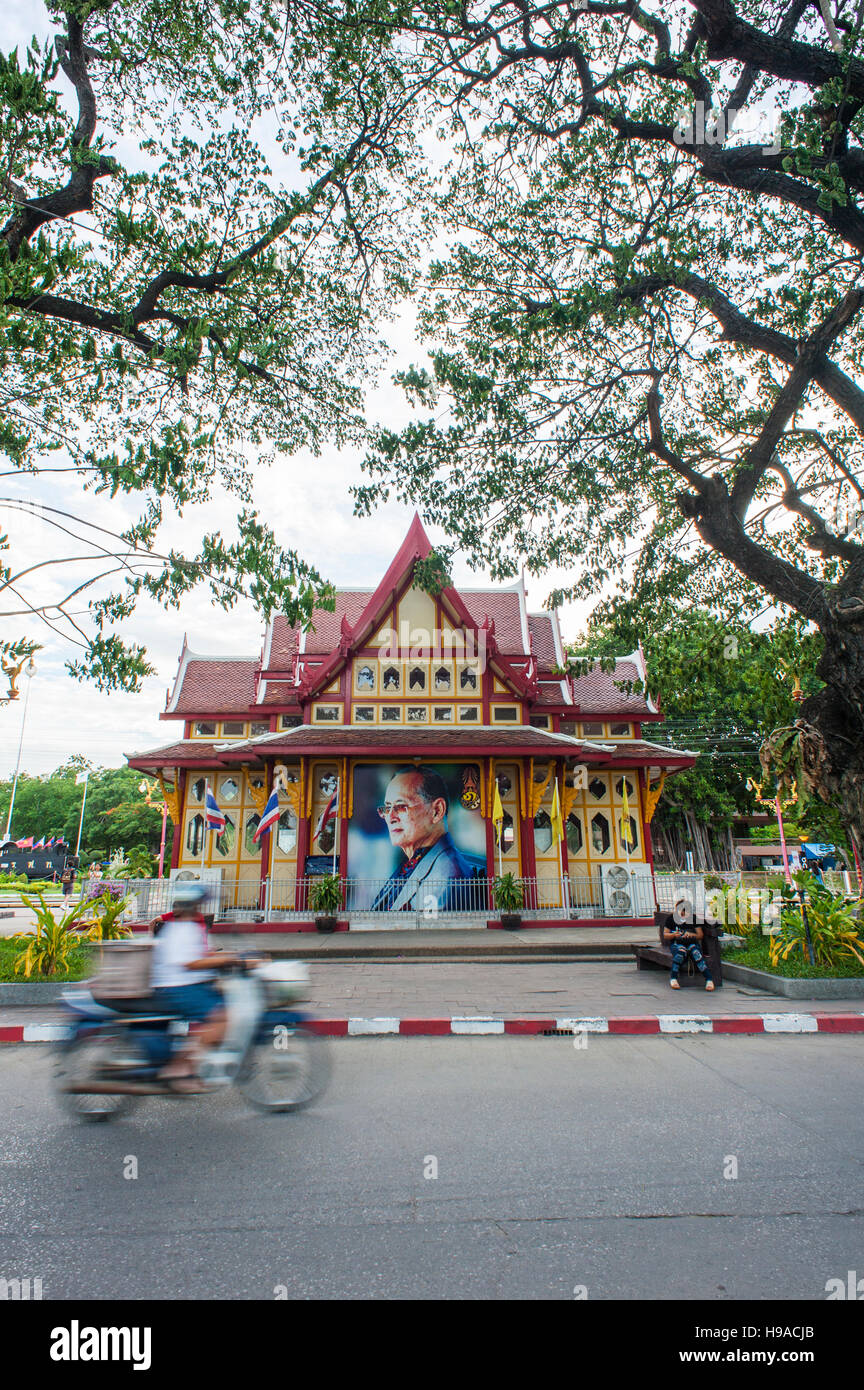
[109,924]
[834,929]
[325,895]
[45,951]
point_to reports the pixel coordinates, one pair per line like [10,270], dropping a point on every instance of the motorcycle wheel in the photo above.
[285,1072]
[83,1059]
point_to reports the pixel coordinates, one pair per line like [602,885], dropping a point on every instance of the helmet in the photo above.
[189,894]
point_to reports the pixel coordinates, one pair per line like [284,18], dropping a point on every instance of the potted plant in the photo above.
[325,900]
[509,898]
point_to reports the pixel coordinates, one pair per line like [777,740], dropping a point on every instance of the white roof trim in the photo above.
[559,642]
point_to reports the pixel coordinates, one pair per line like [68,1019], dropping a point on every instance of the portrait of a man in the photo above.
[433,870]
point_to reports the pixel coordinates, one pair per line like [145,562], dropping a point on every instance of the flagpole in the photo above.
[81,820]
[337,807]
[204,831]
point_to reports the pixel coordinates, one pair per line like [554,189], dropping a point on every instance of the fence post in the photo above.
[268,897]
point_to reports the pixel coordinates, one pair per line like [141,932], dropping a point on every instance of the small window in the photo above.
[442,679]
[504,714]
[253,846]
[365,678]
[286,835]
[592,730]
[290,721]
[261,727]
[195,835]
[229,790]
[205,729]
[327,784]
[198,788]
[508,834]
[234,728]
[600,837]
[631,790]
[227,840]
[444,714]
[539,721]
[364,714]
[391,714]
[417,678]
[504,783]
[574,833]
[327,714]
[391,679]
[627,833]
[542,832]
[620,730]
[469,714]
[597,788]
[256,782]
[417,714]
[568,727]
[467,678]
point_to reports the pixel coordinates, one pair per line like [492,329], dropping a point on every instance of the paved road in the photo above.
[557,1167]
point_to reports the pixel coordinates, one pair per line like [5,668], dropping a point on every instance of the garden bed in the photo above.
[80,961]
[795,978]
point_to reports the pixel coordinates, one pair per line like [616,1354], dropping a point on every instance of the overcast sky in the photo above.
[307,503]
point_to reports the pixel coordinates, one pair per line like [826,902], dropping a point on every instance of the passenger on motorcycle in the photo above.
[183,981]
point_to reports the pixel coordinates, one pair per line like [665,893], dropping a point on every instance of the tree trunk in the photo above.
[832,721]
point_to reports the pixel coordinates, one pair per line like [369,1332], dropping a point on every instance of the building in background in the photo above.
[389,723]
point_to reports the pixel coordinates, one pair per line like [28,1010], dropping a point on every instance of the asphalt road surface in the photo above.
[559,1170]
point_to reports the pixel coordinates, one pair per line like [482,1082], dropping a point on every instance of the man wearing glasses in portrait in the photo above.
[434,871]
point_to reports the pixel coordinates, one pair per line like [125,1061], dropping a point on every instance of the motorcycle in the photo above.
[113,1053]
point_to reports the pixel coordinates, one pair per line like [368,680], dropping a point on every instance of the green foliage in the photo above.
[108,914]
[190,256]
[116,813]
[508,893]
[834,924]
[325,895]
[46,950]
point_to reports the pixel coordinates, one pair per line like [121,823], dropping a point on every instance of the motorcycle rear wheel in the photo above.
[286,1072]
[84,1059]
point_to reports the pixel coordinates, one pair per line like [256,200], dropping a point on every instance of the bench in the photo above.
[659,957]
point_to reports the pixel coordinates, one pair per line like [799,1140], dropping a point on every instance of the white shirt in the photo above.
[179,941]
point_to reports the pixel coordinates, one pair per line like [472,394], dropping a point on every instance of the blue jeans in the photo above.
[195,1002]
[680,951]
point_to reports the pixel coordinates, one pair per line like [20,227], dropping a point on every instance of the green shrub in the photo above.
[508,894]
[45,951]
[325,895]
[835,931]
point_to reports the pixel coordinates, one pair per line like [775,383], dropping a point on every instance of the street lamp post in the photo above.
[29,671]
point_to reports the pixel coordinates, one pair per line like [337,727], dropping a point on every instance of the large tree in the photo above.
[186,262]
[645,326]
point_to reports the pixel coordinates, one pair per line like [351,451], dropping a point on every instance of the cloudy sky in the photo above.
[305,500]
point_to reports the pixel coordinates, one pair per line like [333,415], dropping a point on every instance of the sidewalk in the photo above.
[527,996]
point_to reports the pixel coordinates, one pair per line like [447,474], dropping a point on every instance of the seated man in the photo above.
[683,936]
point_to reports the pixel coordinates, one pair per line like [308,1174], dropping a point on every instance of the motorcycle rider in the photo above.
[183,982]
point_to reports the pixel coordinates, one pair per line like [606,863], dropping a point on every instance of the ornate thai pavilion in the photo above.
[402,703]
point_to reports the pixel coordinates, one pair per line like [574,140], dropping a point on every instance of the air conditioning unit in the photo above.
[627,892]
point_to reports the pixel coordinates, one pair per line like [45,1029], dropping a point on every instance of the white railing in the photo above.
[391,901]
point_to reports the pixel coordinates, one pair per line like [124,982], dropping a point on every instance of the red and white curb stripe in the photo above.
[490,1027]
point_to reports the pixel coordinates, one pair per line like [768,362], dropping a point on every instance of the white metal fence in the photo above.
[393,900]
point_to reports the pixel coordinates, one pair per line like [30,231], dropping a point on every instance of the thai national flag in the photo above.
[269,818]
[330,812]
[215,817]
[49,844]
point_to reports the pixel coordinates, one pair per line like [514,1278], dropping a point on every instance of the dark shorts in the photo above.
[194,1002]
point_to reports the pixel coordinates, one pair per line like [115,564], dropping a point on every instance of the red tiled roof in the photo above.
[503,607]
[216,686]
[550,693]
[654,752]
[540,629]
[283,644]
[280,693]
[328,626]
[453,742]
[598,693]
[173,754]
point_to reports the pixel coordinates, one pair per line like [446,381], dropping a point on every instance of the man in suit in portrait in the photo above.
[415,812]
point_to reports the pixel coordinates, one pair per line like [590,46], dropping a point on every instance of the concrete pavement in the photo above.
[653,1168]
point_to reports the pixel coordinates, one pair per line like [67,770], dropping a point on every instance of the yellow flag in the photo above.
[497,812]
[557,822]
[626,827]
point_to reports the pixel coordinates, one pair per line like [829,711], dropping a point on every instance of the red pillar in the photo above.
[177,836]
[526,830]
[266,842]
